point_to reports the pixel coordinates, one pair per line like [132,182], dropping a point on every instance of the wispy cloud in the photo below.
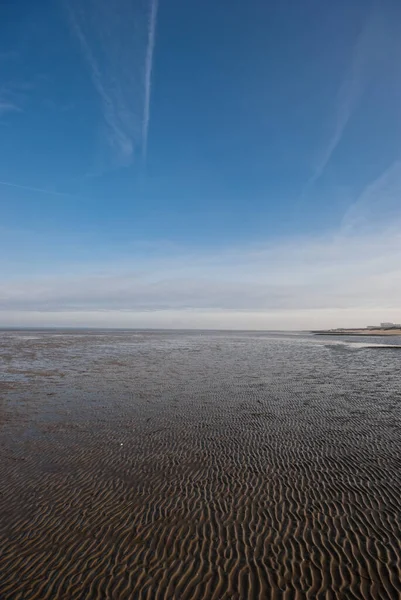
[372,36]
[148,75]
[119,133]
[350,276]
[378,203]
[117,41]
[335,275]
[30,188]
[6,107]
[11,97]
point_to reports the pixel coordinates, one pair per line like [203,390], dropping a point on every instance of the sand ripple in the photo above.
[221,468]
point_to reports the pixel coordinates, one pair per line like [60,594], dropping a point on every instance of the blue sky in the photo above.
[200,164]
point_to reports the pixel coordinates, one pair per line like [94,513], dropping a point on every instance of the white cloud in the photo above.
[305,281]
[352,274]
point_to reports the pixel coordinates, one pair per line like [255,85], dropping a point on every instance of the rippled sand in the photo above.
[192,466]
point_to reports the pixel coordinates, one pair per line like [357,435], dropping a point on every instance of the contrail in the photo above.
[35,189]
[148,75]
[349,93]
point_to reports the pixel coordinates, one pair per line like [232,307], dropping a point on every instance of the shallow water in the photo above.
[199,465]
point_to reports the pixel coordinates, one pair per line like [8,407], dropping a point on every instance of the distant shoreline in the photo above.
[359,332]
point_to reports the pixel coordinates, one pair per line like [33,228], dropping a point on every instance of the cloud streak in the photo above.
[372,36]
[117,42]
[378,204]
[148,75]
[29,188]
[10,98]
[6,107]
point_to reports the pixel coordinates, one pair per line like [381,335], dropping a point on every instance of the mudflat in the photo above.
[188,465]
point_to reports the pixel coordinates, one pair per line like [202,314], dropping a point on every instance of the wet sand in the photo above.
[198,467]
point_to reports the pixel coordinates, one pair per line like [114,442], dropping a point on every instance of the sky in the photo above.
[188,164]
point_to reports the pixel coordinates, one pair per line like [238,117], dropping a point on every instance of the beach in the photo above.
[198,465]
[365,332]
